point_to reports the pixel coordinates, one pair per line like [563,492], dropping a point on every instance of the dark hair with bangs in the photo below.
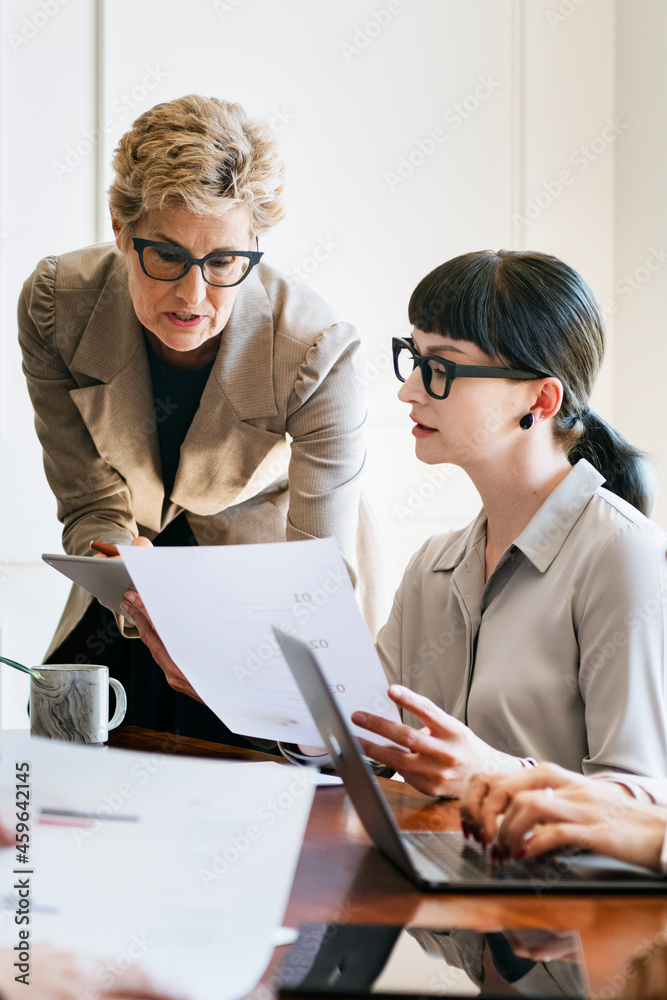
[533,312]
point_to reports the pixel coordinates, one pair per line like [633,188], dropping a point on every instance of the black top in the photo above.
[177,396]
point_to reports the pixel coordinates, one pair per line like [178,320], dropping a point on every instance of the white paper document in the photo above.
[181,865]
[213,607]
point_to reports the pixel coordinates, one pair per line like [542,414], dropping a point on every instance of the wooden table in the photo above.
[342,878]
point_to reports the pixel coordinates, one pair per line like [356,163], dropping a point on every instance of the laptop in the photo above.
[443,861]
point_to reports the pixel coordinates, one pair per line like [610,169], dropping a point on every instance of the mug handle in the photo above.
[121,703]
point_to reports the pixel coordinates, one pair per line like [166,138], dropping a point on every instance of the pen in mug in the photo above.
[106,550]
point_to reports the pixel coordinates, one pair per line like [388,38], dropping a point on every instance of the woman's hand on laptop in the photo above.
[438,759]
[134,607]
[547,808]
[488,797]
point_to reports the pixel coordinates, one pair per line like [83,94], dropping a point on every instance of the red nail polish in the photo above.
[520,854]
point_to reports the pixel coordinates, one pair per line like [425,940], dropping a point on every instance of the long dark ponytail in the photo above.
[623,466]
[534,312]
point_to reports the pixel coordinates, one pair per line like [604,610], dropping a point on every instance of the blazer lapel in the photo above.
[119,412]
[223,458]
[244,365]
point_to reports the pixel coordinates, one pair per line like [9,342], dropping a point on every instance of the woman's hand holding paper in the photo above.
[134,607]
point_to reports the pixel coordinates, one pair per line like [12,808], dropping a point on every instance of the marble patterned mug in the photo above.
[71,702]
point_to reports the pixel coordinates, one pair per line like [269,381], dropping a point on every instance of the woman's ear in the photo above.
[548,398]
[117,227]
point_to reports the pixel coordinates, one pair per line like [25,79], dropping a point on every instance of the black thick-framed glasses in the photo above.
[222,268]
[439,373]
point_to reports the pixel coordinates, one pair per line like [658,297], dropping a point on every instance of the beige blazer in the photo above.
[285,372]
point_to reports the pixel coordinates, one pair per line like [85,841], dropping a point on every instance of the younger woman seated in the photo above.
[538,631]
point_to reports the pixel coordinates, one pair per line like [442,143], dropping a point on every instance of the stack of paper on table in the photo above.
[182,865]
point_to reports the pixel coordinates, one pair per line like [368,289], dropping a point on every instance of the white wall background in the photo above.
[522,92]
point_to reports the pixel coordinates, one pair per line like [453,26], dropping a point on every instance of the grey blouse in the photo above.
[561,654]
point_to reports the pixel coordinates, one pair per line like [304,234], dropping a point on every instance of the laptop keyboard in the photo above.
[461,861]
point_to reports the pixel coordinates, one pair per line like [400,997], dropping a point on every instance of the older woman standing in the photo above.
[168,372]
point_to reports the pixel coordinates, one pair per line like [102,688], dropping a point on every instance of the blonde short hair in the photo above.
[200,153]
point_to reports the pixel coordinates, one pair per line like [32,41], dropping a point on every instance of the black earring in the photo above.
[526,422]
